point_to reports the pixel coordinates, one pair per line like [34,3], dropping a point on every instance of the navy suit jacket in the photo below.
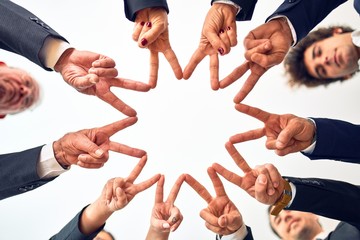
[306,14]
[71,230]
[336,139]
[22,32]
[132,6]
[18,172]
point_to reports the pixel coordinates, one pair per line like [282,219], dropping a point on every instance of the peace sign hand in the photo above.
[165,216]
[285,133]
[221,215]
[263,183]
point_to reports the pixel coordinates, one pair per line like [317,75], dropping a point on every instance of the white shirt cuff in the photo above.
[293,193]
[238,235]
[48,166]
[311,148]
[52,50]
[229,2]
[292,29]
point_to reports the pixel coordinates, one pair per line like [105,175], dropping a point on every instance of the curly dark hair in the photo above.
[294,61]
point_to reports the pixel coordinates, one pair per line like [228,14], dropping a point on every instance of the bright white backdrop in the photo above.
[183,125]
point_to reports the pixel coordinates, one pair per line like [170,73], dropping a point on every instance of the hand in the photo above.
[94,74]
[217,36]
[285,133]
[266,46]
[151,31]
[263,183]
[116,194]
[221,215]
[165,216]
[89,148]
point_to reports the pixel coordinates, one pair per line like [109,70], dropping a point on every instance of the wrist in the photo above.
[284,199]
[64,59]
[59,155]
[285,28]
[236,8]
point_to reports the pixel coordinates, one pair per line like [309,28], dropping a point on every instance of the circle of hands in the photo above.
[95,74]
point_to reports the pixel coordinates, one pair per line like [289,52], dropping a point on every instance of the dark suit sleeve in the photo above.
[132,6]
[249,235]
[18,173]
[344,231]
[22,32]
[304,15]
[71,230]
[247,9]
[336,140]
[329,198]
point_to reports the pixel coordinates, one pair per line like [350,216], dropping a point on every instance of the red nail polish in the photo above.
[221,51]
[148,24]
[221,31]
[144,41]
[142,23]
[228,28]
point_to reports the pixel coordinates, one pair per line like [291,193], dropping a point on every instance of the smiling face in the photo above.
[332,57]
[18,90]
[295,225]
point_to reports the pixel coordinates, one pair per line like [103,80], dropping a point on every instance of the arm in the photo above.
[247,9]
[30,35]
[336,140]
[304,15]
[133,6]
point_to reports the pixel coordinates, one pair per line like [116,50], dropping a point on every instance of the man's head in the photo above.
[322,57]
[18,90]
[295,225]
[104,235]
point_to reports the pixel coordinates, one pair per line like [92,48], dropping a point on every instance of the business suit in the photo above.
[336,139]
[71,230]
[28,35]
[19,174]
[132,6]
[304,15]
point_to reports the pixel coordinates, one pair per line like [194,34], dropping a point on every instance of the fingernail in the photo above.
[221,50]
[228,28]
[142,23]
[166,225]
[221,30]
[262,180]
[271,192]
[148,24]
[144,41]
[99,152]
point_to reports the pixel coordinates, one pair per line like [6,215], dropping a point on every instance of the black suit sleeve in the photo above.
[329,198]
[22,32]
[132,6]
[247,9]
[18,173]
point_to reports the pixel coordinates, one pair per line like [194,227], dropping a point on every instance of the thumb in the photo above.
[223,221]
[84,82]
[92,149]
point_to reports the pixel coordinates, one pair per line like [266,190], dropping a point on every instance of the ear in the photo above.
[346,77]
[337,31]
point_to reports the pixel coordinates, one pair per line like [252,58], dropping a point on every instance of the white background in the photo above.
[183,125]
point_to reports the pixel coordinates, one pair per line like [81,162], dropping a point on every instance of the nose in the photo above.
[24,91]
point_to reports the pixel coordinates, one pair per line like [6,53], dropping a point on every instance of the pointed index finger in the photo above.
[137,170]
[159,195]
[175,189]
[253,112]
[239,160]
[114,127]
[218,185]
[200,189]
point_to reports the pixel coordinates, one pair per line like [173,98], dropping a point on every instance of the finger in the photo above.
[114,101]
[196,58]
[209,217]
[146,184]
[109,190]
[263,171]
[253,112]
[225,40]
[228,175]
[137,30]
[129,84]
[214,72]
[154,67]
[137,170]
[89,165]
[231,221]
[104,72]
[215,41]
[85,145]
[267,60]
[218,185]
[174,63]
[115,127]
[200,189]
[235,75]
[88,159]
[104,62]
[231,33]
[84,82]
[213,228]
[159,194]
[274,174]
[256,46]
[142,41]
[291,148]
[262,189]
[175,218]
[247,136]
[239,160]
[124,149]
[175,189]
[151,33]
[247,87]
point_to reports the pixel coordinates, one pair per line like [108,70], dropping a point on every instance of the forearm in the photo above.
[156,235]
[133,6]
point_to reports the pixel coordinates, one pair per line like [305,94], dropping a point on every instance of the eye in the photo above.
[318,51]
